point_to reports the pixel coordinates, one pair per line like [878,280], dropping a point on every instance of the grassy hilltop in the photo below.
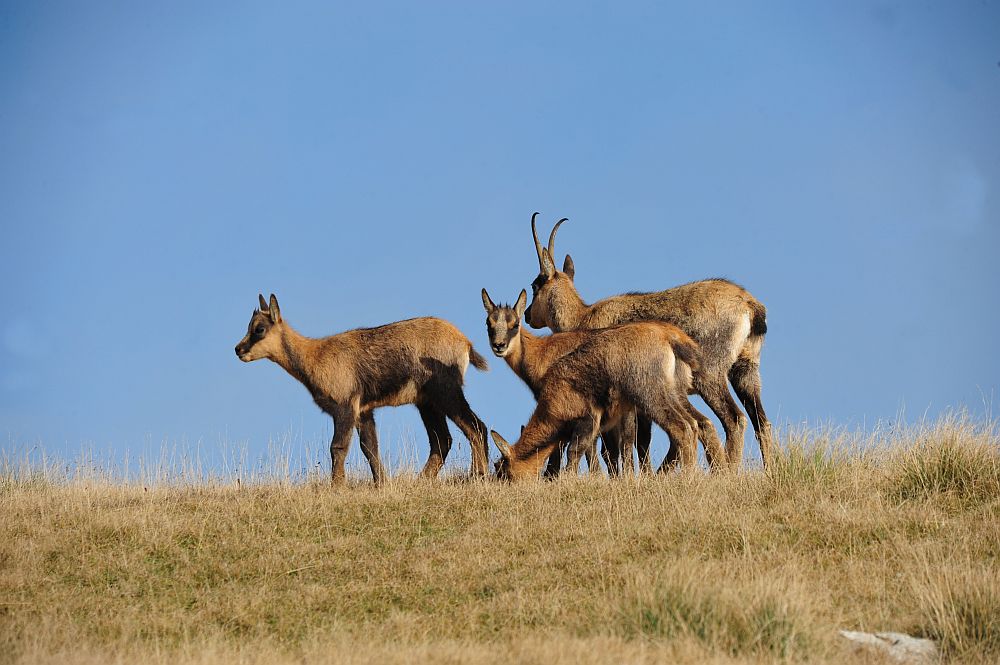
[898,531]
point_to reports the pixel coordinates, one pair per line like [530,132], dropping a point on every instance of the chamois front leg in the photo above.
[584,436]
[368,436]
[627,435]
[345,419]
[555,461]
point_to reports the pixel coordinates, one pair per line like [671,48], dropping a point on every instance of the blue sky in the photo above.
[369,162]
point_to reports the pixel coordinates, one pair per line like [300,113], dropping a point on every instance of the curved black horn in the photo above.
[552,237]
[544,261]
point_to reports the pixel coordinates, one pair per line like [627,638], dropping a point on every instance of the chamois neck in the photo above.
[535,444]
[293,355]
[526,360]
[569,310]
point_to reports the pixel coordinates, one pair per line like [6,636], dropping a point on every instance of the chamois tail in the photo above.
[477,360]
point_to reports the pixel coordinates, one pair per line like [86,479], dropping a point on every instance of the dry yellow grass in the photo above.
[892,531]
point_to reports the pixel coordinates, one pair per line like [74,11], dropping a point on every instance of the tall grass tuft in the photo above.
[955,459]
[749,619]
[960,609]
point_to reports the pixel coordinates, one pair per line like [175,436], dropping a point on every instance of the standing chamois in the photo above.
[531,357]
[418,361]
[645,366]
[723,318]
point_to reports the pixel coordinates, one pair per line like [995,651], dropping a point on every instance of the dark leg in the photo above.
[438,437]
[590,454]
[574,451]
[474,430]
[745,377]
[715,391]
[628,429]
[555,461]
[611,449]
[683,432]
[368,436]
[714,452]
[643,439]
[584,436]
[345,419]
[672,459]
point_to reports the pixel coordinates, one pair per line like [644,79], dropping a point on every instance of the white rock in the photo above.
[900,647]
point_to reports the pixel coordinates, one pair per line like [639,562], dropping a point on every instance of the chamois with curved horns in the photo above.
[418,361]
[722,317]
[531,357]
[646,366]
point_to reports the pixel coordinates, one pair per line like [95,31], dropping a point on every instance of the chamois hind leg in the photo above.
[715,454]
[368,436]
[611,449]
[345,419]
[590,454]
[643,439]
[714,390]
[585,431]
[745,377]
[460,413]
[438,437]
[629,428]
[682,429]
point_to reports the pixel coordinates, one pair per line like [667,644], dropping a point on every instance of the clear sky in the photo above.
[162,163]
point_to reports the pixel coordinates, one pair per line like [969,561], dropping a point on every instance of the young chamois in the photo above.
[645,366]
[531,357]
[723,318]
[418,361]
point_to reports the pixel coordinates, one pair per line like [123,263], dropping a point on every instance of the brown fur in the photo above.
[726,321]
[614,372]
[531,357]
[417,361]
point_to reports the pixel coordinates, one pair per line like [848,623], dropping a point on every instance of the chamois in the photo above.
[418,361]
[645,366]
[531,357]
[722,317]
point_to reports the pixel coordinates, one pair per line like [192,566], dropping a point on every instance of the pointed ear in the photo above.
[263,303]
[502,445]
[487,303]
[548,265]
[273,310]
[522,302]
[568,266]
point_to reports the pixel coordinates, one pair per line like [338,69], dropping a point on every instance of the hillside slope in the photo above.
[749,568]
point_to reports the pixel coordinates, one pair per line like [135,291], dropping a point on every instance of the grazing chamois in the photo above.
[531,357]
[419,361]
[645,366]
[722,317]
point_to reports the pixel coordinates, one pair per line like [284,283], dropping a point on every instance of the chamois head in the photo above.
[548,289]
[503,323]
[262,337]
[508,467]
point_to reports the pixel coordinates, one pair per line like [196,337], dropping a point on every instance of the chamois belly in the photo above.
[616,410]
[396,396]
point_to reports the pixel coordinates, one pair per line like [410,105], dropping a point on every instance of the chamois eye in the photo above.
[260,330]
